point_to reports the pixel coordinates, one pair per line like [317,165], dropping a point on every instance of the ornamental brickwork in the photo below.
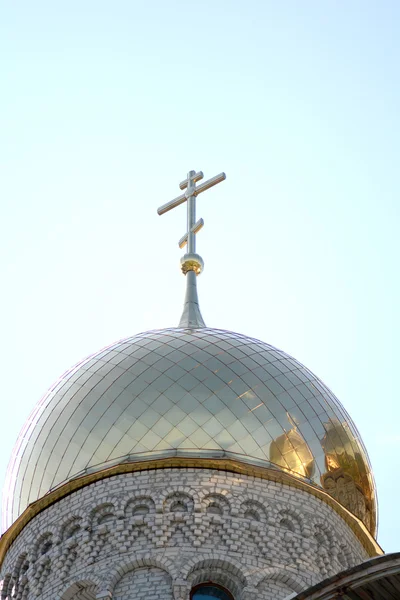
[158,533]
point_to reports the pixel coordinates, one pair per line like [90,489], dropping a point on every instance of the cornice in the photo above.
[220,464]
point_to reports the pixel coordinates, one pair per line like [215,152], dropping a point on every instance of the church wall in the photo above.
[161,532]
[274,590]
[144,583]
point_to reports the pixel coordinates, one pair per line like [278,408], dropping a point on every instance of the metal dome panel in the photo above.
[204,391]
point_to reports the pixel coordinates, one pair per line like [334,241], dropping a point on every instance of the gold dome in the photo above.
[181,392]
[347,479]
[291,452]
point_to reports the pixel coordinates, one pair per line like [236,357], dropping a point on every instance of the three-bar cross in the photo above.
[190,194]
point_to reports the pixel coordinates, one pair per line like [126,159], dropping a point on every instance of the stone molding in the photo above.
[225,465]
[242,531]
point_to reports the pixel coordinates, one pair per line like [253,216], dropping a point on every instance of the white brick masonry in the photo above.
[153,535]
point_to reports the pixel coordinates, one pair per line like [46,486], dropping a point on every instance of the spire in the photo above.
[191,263]
[191,316]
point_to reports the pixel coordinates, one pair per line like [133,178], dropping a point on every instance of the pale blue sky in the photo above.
[104,108]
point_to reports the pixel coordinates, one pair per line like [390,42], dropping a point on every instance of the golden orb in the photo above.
[192,262]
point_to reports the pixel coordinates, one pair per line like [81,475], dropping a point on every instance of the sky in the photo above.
[105,107]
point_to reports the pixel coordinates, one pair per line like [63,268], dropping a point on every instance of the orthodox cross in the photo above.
[191,263]
[189,196]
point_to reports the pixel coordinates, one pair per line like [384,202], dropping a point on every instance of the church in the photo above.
[191,463]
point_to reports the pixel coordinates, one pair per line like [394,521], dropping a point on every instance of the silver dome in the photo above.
[179,391]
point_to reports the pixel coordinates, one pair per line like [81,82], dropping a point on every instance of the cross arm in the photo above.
[195,229]
[198,190]
[196,177]
[210,183]
[172,204]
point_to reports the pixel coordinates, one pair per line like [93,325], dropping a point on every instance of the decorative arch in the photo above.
[324,535]
[21,565]
[343,556]
[101,513]
[165,495]
[226,594]
[81,590]
[144,582]
[216,504]
[294,582]
[7,586]
[289,519]
[253,509]
[232,500]
[21,593]
[140,503]
[43,545]
[70,527]
[161,562]
[118,503]
[225,572]
[178,501]
[214,575]
[231,565]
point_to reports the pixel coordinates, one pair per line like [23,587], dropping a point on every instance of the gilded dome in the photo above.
[291,452]
[203,392]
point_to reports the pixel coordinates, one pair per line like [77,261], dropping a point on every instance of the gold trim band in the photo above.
[232,466]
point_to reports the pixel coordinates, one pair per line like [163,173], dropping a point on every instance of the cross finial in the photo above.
[191,263]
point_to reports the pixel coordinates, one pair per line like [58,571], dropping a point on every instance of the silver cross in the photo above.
[190,194]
